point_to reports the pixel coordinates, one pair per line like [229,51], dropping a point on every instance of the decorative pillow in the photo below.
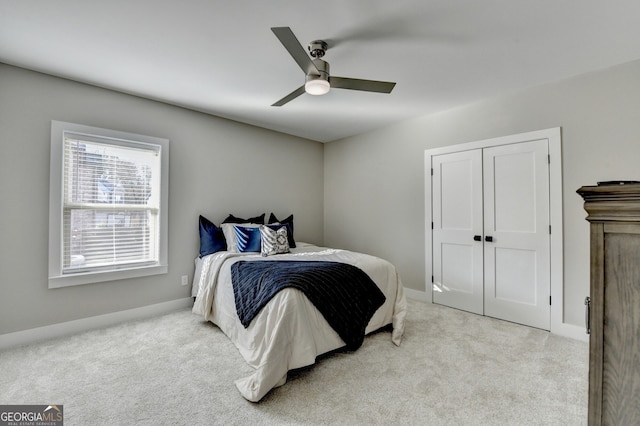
[248,238]
[287,221]
[232,219]
[274,240]
[230,234]
[211,237]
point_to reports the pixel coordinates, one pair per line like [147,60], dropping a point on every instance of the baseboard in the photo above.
[422,296]
[76,326]
[572,331]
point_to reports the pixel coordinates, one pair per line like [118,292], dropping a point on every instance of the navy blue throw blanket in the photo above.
[344,294]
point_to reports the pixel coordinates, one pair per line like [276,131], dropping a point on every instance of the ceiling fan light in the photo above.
[317,86]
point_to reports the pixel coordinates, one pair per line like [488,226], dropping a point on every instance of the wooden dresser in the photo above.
[614,315]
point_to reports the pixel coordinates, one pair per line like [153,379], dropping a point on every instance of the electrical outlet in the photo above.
[184,280]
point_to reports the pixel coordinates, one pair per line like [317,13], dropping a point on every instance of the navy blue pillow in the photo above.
[248,238]
[287,221]
[232,219]
[211,237]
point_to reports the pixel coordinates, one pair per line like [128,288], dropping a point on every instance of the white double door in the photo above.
[491,242]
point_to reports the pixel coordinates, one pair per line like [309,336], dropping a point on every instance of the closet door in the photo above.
[517,271]
[457,230]
[491,242]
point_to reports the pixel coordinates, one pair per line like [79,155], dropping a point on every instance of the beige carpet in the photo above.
[453,368]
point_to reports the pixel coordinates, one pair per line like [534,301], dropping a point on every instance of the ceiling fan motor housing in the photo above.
[323,69]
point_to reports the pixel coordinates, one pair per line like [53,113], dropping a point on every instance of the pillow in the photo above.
[287,221]
[211,237]
[230,234]
[248,238]
[232,219]
[273,240]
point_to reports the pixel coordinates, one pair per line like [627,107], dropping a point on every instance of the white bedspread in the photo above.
[289,332]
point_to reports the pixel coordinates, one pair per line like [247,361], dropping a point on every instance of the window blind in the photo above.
[111,204]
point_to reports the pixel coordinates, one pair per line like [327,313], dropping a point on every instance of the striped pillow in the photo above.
[273,240]
[248,238]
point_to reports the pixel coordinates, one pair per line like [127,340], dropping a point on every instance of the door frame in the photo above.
[553,135]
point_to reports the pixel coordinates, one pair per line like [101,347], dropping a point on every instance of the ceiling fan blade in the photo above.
[295,49]
[291,96]
[358,84]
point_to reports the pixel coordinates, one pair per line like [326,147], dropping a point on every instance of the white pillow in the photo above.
[230,234]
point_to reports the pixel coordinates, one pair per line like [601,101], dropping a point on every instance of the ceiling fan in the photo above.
[318,81]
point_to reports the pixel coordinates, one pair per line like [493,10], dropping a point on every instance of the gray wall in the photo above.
[374,183]
[216,167]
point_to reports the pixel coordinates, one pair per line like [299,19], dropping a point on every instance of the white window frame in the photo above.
[56,203]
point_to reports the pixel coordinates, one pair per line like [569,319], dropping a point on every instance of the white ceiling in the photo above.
[220,56]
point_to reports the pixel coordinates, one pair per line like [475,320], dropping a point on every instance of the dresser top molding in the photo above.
[612,202]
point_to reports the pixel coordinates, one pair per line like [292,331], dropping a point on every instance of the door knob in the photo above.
[477,238]
[488,239]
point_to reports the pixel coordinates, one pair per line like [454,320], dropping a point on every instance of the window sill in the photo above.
[97,277]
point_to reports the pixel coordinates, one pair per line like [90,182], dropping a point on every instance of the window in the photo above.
[107,206]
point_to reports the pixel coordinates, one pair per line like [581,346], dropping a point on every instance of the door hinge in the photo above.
[432,171]
[549,300]
[549,229]
[549,158]
[431,278]
[431,225]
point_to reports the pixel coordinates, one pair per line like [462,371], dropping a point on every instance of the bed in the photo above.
[289,332]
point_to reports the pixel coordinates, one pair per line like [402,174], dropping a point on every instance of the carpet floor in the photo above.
[453,368]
